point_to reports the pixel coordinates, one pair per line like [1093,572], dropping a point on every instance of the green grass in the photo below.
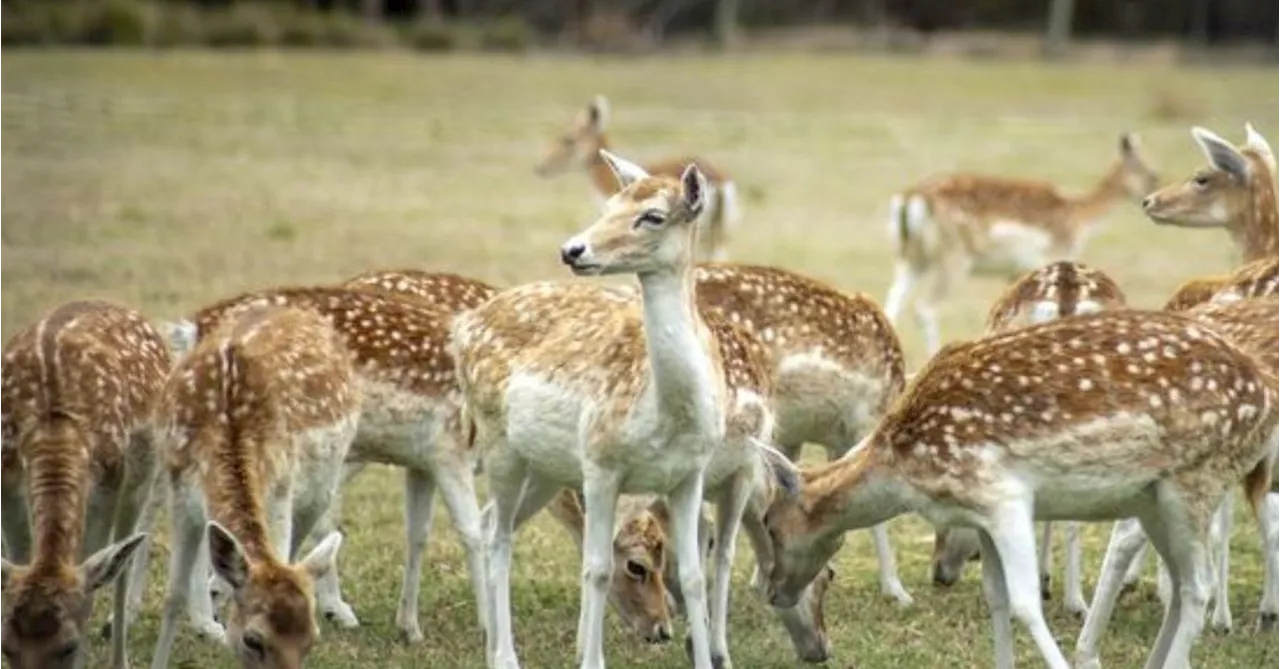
[169,180]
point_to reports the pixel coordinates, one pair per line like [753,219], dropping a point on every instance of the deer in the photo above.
[1252,324]
[78,460]
[1100,416]
[1235,191]
[1257,278]
[578,385]
[254,425]
[953,226]
[580,146]
[1057,290]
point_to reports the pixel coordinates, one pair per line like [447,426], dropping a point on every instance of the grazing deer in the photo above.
[78,460]
[580,146]
[1057,290]
[1236,191]
[582,386]
[954,226]
[1257,278]
[1108,415]
[409,418]
[255,423]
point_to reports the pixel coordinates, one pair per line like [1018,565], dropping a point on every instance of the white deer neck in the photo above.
[683,380]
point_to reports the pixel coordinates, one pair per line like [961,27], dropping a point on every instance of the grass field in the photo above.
[168,180]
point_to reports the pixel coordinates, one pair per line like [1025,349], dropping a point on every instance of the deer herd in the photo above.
[622,409]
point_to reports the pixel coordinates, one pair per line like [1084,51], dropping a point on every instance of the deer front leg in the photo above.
[729,510]
[419,511]
[457,486]
[600,502]
[686,502]
[890,584]
[1127,538]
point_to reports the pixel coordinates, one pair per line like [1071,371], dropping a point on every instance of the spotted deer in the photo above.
[579,147]
[78,459]
[1257,278]
[837,365]
[967,224]
[575,385]
[1254,326]
[1102,416]
[1235,191]
[254,425]
[1057,290]
[409,418]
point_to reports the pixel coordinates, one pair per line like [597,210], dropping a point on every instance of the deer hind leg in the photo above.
[1072,586]
[419,513]
[132,502]
[1269,528]
[1127,539]
[995,589]
[457,486]
[1012,539]
[1181,538]
[1046,560]
[729,509]
[890,584]
[1220,541]
[904,278]
[686,503]
[188,564]
[1134,572]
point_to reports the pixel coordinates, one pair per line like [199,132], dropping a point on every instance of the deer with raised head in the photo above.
[1103,416]
[579,148]
[957,225]
[1235,191]
[1257,278]
[409,418]
[78,460]
[1057,290]
[254,425]
[580,386]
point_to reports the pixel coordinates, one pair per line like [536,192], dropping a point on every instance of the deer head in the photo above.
[47,607]
[1134,177]
[271,621]
[1221,193]
[648,227]
[580,143]
[638,589]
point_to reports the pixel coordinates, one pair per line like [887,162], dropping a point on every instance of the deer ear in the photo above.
[1255,141]
[783,471]
[1128,144]
[598,112]
[181,335]
[695,189]
[324,556]
[626,171]
[104,566]
[227,556]
[1221,153]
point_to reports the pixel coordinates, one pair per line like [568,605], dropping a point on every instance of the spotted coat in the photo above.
[1059,289]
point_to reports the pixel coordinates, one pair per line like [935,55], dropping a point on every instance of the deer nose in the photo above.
[572,251]
[663,633]
[1147,202]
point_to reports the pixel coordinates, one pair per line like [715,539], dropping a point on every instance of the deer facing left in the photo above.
[77,465]
[255,423]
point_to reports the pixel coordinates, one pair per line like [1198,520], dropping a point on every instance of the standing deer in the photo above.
[255,424]
[953,226]
[1108,415]
[409,417]
[1057,290]
[574,385]
[580,146]
[78,459]
[1235,191]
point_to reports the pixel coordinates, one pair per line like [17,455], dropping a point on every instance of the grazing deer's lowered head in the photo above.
[1236,191]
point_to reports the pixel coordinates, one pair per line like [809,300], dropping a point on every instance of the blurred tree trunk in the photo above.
[372,9]
[1199,27]
[433,9]
[1059,30]
[725,28]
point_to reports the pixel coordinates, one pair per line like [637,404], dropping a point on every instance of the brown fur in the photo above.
[1257,278]
[77,394]
[1064,283]
[1248,208]
[450,292]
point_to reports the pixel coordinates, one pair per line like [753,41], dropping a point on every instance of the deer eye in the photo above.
[636,570]
[253,643]
[652,218]
[1201,180]
[67,652]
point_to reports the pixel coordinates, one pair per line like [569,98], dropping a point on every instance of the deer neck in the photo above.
[57,483]
[1088,208]
[602,177]
[682,379]
[234,487]
[856,492]
[1257,232]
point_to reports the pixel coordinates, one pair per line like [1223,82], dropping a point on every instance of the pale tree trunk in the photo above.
[1059,30]
[725,29]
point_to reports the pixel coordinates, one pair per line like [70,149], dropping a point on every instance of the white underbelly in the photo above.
[1012,248]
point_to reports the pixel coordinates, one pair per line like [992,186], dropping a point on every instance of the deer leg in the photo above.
[802,626]
[995,590]
[903,279]
[134,497]
[890,584]
[15,520]
[1046,560]
[419,509]
[1134,573]
[1127,538]
[457,486]
[600,500]
[1220,541]
[185,588]
[1013,538]
[1268,528]
[1181,539]
[328,587]
[686,503]
[729,510]
[100,511]
[1072,588]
